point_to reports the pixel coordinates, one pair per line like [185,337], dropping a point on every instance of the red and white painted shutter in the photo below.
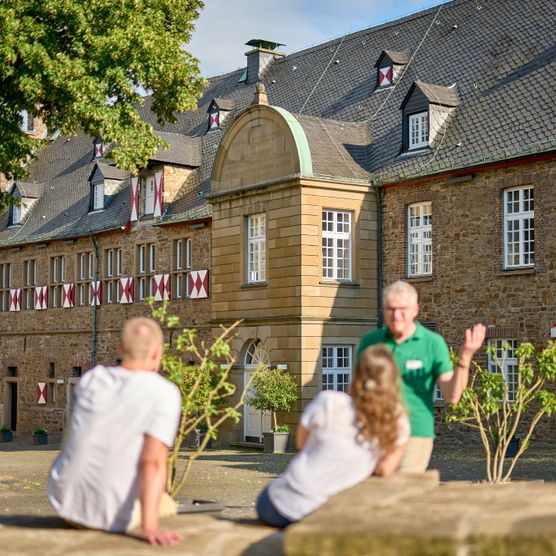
[161,287]
[41,298]
[134,201]
[126,290]
[98,150]
[385,76]
[198,282]
[214,120]
[68,295]
[41,393]
[15,299]
[158,191]
[95,293]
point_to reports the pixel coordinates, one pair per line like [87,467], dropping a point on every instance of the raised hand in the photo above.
[474,338]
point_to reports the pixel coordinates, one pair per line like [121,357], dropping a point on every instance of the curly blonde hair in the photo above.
[375,392]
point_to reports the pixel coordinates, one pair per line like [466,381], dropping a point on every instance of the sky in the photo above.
[224,26]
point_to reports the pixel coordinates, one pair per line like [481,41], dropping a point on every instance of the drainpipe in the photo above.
[95,306]
[379,236]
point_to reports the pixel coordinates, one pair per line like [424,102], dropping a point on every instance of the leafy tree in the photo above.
[486,405]
[80,66]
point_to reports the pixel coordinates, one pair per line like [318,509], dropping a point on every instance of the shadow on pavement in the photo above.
[35,522]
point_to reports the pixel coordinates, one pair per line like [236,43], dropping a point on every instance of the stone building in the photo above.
[420,149]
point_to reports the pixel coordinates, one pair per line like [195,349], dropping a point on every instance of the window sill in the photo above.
[439,403]
[346,284]
[517,271]
[416,152]
[255,285]
[420,278]
[379,89]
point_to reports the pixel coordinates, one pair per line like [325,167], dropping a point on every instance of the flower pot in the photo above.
[6,436]
[40,439]
[275,442]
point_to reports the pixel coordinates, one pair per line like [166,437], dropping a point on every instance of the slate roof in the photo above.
[501,54]
[399,58]
[30,190]
[445,96]
[182,150]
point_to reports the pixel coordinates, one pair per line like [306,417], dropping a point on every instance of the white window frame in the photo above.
[109,263]
[337,245]
[118,262]
[520,223]
[418,130]
[419,239]
[336,364]
[98,196]
[256,248]
[17,213]
[506,362]
[91,268]
[149,194]
[152,257]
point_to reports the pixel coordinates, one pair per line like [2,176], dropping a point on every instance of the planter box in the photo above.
[6,436]
[275,442]
[40,439]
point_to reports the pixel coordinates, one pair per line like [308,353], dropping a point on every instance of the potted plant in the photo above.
[40,436]
[273,390]
[6,434]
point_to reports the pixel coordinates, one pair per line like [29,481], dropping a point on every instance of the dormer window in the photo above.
[26,194]
[98,196]
[16,214]
[27,122]
[218,111]
[389,67]
[426,113]
[105,181]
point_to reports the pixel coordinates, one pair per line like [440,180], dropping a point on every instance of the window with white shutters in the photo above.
[112,275]
[146,266]
[149,194]
[5,285]
[519,227]
[419,239]
[57,277]
[181,259]
[29,283]
[85,272]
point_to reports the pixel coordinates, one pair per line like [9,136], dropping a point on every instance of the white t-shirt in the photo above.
[332,459]
[95,480]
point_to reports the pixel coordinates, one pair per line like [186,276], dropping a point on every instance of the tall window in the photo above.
[29,283]
[418,130]
[98,196]
[5,285]
[16,213]
[149,194]
[519,227]
[336,368]
[57,277]
[256,248]
[146,264]
[336,245]
[419,239]
[112,274]
[85,272]
[181,258]
[503,359]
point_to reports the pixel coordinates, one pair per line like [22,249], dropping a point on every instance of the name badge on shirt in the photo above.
[413,364]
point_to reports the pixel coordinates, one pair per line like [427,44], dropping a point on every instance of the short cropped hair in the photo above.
[139,337]
[402,289]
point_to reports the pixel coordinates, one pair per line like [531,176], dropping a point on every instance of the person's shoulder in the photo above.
[163,385]
[373,336]
[431,335]
[332,398]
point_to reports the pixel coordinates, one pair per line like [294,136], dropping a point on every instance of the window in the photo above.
[146,264]
[98,196]
[17,213]
[418,130]
[419,239]
[336,245]
[519,227]
[27,121]
[112,274]
[149,195]
[5,285]
[85,273]
[181,264]
[336,368]
[29,283]
[57,276]
[256,248]
[503,359]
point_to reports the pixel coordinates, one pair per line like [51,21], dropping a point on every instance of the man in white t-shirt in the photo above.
[112,468]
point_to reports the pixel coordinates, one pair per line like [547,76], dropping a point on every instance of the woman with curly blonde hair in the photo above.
[343,439]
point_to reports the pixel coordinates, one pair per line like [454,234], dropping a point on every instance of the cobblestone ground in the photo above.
[233,477]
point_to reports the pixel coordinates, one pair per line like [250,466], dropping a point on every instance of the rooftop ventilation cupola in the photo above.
[260,57]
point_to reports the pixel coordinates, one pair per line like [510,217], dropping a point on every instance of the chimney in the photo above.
[259,96]
[260,57]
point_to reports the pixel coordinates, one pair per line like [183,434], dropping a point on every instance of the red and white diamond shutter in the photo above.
[41,298]
[134,201]
[214,120]
[126,290]
[158,191]
[68,295]
[95,293]
[15,299]
[198,284]
[385,76]
[161,287]
[41,392]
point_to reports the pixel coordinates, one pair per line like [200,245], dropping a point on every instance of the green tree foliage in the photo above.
[487,406]
[272,390]
[80,64]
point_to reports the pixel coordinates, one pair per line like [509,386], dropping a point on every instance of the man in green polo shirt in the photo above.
[423,360]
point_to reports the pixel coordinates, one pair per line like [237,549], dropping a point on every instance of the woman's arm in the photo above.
[390,461]
[301,436]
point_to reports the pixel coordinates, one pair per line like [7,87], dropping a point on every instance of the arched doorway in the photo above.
[255,422]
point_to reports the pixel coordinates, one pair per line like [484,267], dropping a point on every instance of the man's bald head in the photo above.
[142,341]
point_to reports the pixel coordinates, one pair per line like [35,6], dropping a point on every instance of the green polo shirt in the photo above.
[422,358]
